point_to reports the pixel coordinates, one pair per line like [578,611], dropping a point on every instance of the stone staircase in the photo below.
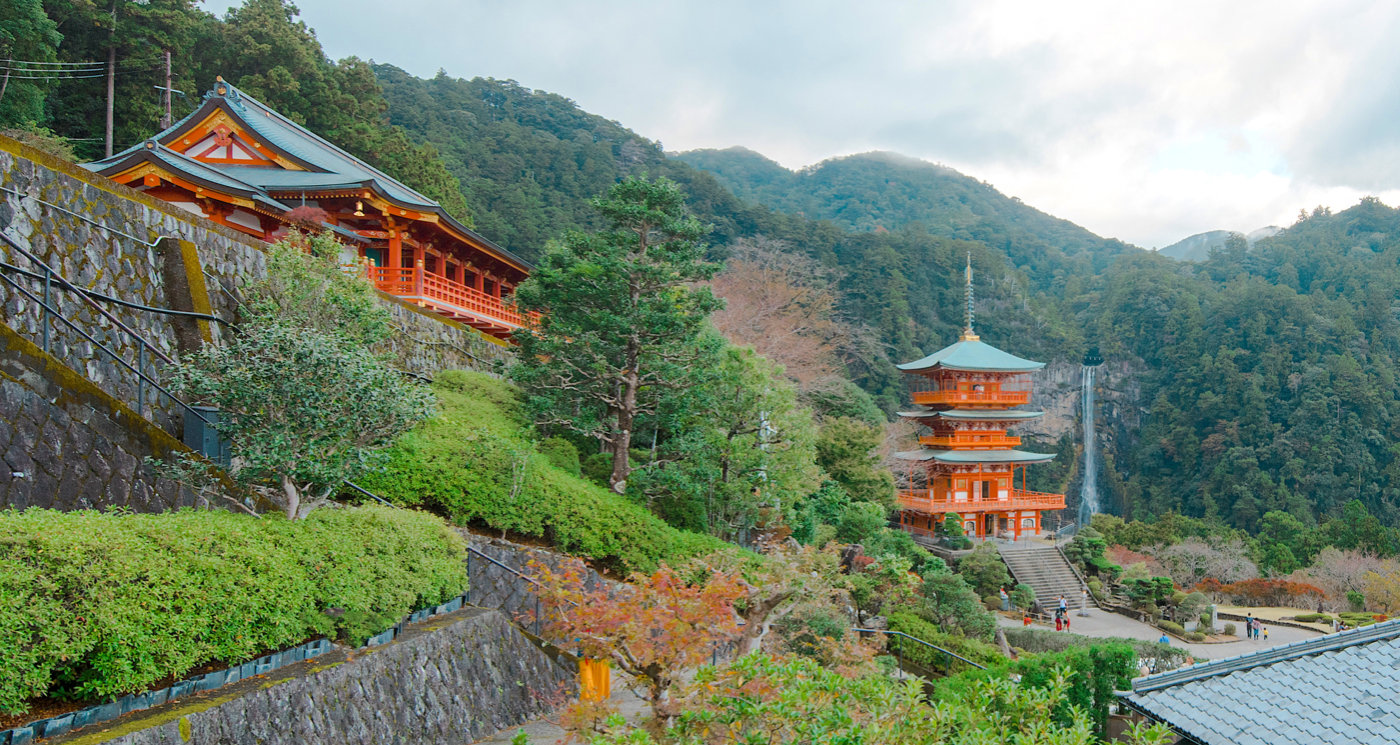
[1047,571]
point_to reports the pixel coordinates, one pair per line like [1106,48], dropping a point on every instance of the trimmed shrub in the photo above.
[1023,597]
[475,463]
[992,602]
[1196,636]
[562,454]
[1313,618]
[980,652]
[1038,641]
[96,605]
[1173,627]
[1229,629]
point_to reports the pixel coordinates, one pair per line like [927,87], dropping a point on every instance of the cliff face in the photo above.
[1058,391]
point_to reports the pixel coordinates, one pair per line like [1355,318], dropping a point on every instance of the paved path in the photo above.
[1104,623]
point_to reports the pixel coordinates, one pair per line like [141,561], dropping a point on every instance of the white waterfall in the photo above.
[1089,492]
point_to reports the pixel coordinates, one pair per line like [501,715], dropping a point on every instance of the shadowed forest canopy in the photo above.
[1266,373]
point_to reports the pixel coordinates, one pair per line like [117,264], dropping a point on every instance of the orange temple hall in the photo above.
[239,163]
[968,464]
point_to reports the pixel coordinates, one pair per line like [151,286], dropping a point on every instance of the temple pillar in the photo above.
[395,258]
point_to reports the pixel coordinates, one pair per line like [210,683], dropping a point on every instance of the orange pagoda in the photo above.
[243,165]
[968,464]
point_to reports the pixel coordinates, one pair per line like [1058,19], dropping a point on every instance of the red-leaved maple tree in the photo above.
[653,627]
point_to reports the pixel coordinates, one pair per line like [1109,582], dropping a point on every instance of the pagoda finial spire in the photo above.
[968,334]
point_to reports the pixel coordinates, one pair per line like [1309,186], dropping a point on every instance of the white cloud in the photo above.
[1146,122]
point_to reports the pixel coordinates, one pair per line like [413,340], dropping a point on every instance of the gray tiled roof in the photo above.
[1337,688]
[329,167]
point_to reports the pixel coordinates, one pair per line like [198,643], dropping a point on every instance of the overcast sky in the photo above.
[1145,122]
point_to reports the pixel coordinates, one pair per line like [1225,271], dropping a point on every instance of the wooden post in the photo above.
[418,277]
[395,261]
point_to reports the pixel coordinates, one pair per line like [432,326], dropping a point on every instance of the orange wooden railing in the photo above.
[1018,499]
[416,284]
[976,398]
[970,441]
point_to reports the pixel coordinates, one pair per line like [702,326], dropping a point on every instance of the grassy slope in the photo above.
[476,463]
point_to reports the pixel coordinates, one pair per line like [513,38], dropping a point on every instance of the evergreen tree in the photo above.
[622,319]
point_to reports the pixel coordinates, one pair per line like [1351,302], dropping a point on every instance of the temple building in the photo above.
[239,163]
[966,398]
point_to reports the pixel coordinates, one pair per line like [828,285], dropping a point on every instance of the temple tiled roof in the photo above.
[972,355]
[1338,688]
[328,167]
[985,415]
[963,457]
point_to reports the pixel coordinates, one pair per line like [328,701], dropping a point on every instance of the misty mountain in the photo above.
[1199,246]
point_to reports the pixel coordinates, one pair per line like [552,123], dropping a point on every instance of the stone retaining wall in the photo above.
[111,239]
[446,681]
[499,584]
[66,444]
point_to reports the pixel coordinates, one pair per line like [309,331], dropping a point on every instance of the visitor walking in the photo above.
[1266,633]
[1249,625]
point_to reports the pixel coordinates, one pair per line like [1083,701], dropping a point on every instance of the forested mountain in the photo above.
[1198,247]
[1267,373]
[887,191]
[1271,371]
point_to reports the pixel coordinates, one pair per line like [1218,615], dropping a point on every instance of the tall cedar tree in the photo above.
[621,317]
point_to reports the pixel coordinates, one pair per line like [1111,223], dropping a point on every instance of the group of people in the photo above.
[1062,614]
[1253,628]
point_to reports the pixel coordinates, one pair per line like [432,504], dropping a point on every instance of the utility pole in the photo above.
[111,75]
[168,118]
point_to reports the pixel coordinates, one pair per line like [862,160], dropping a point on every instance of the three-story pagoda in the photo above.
[967,398]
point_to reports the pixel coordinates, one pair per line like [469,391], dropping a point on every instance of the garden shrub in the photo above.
[562,454]
[909,623]
[1039,641]
[475,463]
[1313,618]
[1229,629]
[94,605]
[1356,601]
[1173,627]
[992,602]
[1023,596]
[1196,636]
[1097,671]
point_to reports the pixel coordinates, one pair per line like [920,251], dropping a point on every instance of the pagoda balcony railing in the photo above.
[446,296]
[975,398]
[922,500]
[970,442]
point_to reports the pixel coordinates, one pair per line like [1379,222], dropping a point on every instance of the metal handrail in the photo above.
[54,275]
[954,655]
[85,218]
[140,374]
[118,301]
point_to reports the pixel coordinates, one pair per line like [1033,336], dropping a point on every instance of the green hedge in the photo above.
[476,463]
[94,605]
[980,652]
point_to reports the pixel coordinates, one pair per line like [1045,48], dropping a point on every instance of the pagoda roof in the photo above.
[963,457]
[970,415]
[316,163]
[972,355]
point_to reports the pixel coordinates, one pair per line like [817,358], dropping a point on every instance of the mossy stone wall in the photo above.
[120,242]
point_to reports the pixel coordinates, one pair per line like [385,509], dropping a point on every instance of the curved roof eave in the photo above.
[972,355]
[967,457]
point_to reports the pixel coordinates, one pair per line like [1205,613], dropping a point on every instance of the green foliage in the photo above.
[764,699]
[95,605]
[1356,601]
[302,411]
[1148,591]
[824,506]
[1230,629]
[41,138]
[26,33]
[1038,641]
[623,322]
[305,287]
[1095,672]
[475,464]
[738,453]
[1172,626]
[860,520]
[561,454]
[950,529]
[984,571]
[845,450]
[1088,545]
[912,624]
[1023,597]
[948,602]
